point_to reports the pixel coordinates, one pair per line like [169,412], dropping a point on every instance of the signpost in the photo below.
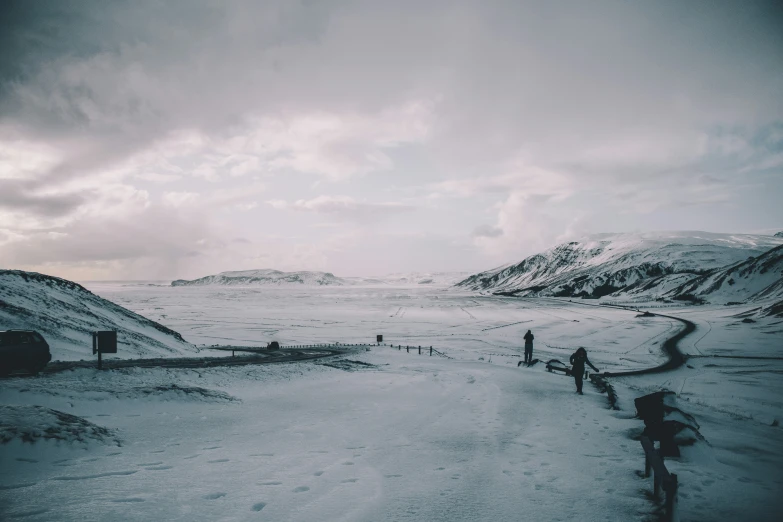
[379,339]
[104,342]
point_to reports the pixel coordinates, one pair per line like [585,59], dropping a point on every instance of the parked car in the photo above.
[23,350]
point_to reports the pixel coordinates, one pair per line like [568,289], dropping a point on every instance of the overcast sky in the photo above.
[174,139]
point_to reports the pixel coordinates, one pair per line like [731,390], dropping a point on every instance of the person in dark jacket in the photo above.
[578,360]
[528,346]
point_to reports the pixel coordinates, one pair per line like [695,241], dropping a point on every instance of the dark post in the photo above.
[671,499]
[430,351]
[408,349]
[419,350]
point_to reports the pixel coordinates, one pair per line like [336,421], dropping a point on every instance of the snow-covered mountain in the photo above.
[66,314]
[265,277]
[756,278]
[648,265]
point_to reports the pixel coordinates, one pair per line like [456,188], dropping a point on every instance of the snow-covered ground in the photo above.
[410,437]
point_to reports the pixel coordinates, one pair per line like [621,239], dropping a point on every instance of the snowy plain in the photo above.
[389,435]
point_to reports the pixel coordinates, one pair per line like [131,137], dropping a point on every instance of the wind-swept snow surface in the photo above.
[66,314]
[643,265]
[404,439]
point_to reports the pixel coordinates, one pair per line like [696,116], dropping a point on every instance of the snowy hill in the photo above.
[635,264]
[66,314]
[757,278]
[265,277]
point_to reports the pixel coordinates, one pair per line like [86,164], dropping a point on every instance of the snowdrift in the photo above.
[644,265]
[66,314]
[34,423]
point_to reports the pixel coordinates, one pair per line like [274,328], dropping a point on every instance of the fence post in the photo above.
[671,499]
[407,348]
[419,350]
[430,351]
[399,347]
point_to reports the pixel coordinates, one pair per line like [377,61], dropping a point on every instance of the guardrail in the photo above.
[662,479]
[432,351]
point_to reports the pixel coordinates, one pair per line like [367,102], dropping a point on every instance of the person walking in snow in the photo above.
[528,346]
[578,360]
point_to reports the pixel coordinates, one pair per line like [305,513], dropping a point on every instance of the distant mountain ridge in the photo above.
[655,265]
[66,314]
[310,278]
[265,277]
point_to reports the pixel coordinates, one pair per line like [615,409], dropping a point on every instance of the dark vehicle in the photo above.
[23,350]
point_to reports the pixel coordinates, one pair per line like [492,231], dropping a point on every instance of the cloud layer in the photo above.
[144,138]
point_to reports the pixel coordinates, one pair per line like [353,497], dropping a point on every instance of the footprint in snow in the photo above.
[300,489]
[145,464]
[31,461]
[190,457]
[212,447]
[25,514]
[18,486]
[270,483]
[129,500]
[158,451]
[98,475]
[213,496]
[159,468]
[318,473]
[349,463]
[217,460]
[259,506]
[350,480]
[392,476]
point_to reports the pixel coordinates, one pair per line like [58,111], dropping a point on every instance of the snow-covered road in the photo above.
[415,438]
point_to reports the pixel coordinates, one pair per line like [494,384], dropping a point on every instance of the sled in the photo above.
[557,366]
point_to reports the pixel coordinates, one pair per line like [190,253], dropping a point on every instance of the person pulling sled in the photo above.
[578,361]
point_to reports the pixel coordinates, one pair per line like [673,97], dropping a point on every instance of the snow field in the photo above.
[415,438]
[304,441]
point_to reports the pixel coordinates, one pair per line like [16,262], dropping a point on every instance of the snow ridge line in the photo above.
[277,356]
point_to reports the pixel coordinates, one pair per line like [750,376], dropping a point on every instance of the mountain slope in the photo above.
[641,265]
[265,277]
[66,314]
[757,278]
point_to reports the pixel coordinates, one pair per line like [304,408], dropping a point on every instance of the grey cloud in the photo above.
[487,231]
[16,195]
[156,233]
[344,207]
